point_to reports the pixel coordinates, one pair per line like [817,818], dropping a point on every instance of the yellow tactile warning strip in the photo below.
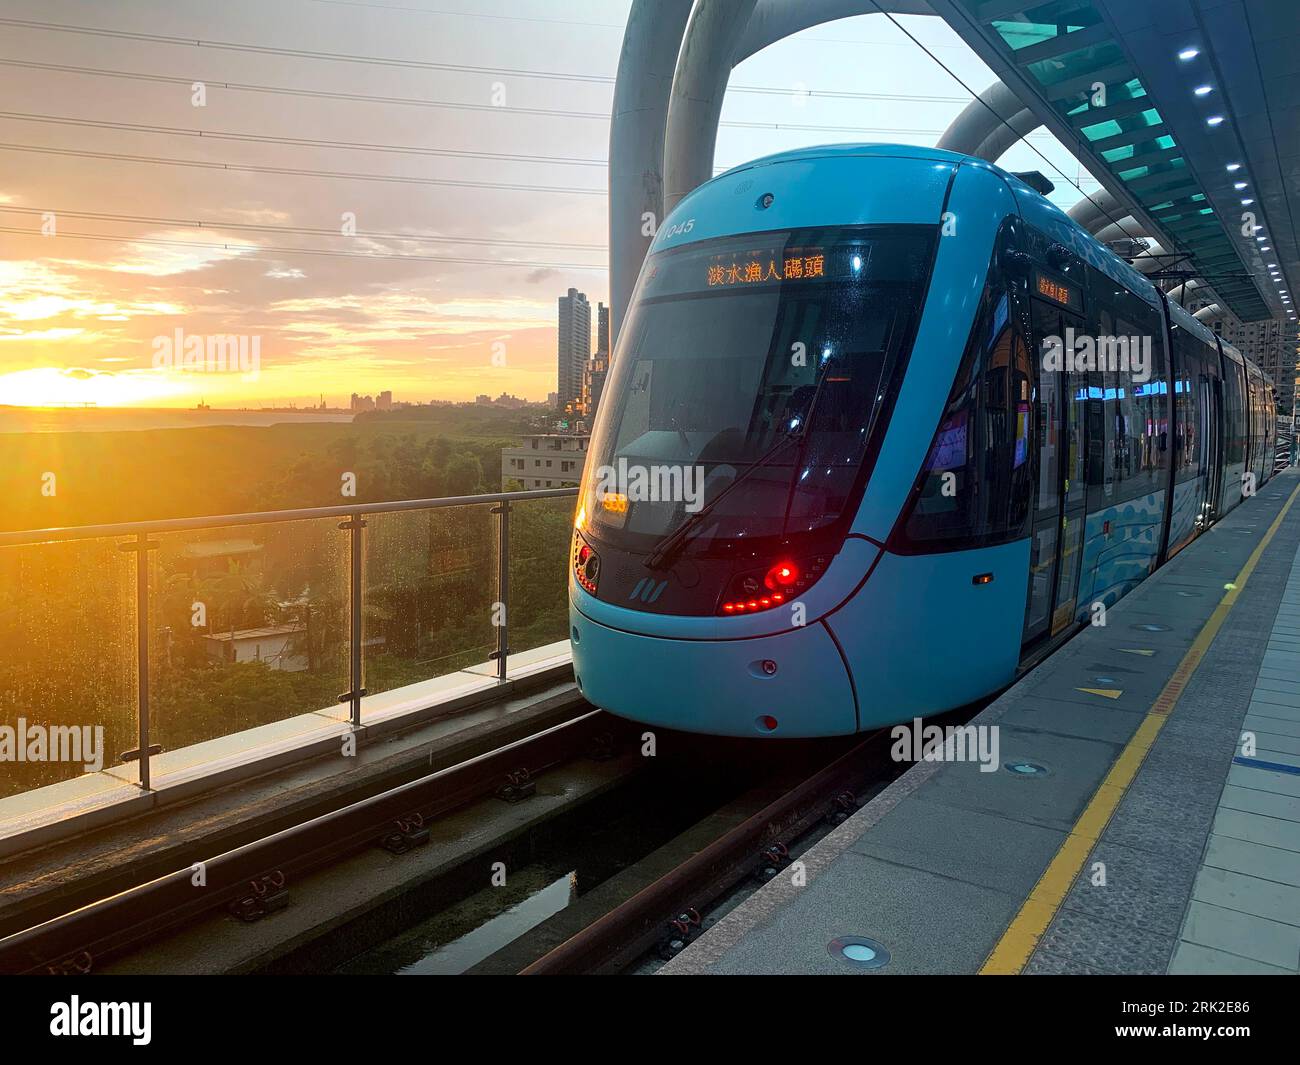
[1011,953]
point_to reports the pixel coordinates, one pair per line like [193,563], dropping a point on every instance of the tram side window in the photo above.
[1128,420]
[1234,408]
[1148,426]
[975,486]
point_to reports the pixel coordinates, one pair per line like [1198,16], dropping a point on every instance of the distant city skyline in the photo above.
[371,221]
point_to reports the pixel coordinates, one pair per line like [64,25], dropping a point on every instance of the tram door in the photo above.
[1214,484]
[1060,496]
[1074,488]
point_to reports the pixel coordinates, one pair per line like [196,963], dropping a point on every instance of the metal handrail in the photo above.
[266,517]
[353,524]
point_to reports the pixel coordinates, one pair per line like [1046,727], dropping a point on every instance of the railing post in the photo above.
[141,546]
[142,649]
[355,691]
[503,586]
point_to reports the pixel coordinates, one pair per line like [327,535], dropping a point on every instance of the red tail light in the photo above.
[782,575]
[586,564]
[782,583]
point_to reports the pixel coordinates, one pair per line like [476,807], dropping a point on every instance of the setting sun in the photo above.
[48,386]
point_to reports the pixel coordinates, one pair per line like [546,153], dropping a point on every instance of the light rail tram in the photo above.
[884,427]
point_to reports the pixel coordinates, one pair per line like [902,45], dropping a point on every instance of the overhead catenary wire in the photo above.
[458,105]
[252,168]
[297,142]
[290,171]
[442,12]
[259,251]
[417,64]
[394,149]
[214,223]
[1019,136]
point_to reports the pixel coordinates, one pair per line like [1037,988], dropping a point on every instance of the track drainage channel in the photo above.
[502,906]
[453,940]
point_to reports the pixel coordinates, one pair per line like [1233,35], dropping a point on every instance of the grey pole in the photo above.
[703,69]
[997,143]
[1097,211]
[647,67]
[981,119]
[775,20]
[636,140]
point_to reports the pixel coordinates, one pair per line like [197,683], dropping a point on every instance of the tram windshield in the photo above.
[750,386]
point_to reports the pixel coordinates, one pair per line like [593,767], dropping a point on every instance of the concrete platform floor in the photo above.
[1162,833]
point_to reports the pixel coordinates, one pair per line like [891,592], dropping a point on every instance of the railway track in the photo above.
[652,907]
[253,879]
[667,913]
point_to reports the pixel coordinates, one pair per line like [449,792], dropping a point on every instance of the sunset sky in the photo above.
[130,262]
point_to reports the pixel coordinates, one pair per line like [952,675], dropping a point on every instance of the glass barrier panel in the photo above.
[67,672]
[248,634]
[541,534]
[430,589]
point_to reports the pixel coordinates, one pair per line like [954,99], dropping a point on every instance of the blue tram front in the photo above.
[830,485]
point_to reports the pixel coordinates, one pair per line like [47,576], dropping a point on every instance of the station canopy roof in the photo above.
[1183,160]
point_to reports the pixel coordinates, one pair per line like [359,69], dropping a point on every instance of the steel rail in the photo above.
[77,940]
[633,927]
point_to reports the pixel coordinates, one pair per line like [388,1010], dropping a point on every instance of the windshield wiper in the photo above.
[666,549]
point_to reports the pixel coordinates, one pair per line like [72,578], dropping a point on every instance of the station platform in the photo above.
[1144,816]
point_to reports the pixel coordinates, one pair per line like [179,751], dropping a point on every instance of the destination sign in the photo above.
[728,272]
[1058,291]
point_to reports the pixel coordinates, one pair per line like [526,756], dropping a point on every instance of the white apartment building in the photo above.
[548,460]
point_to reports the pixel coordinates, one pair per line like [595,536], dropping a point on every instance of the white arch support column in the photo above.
[641,154]
[646,66]
[1003,138]
[981,119]
[1097,212]
[703,70]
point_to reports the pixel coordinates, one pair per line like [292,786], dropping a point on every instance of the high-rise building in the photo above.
[574,348]
[596,369]
[1266,343]
[602,330]
[385,401]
